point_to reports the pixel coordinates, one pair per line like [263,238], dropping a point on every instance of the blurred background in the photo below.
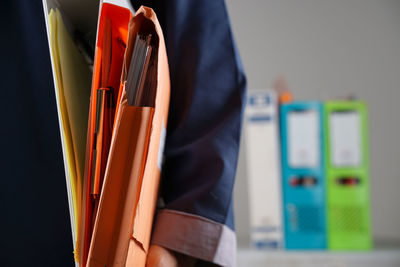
[330,49]
[325,49]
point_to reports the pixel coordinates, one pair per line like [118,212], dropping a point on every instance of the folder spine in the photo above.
[264,181]
[349,225]
[303,186]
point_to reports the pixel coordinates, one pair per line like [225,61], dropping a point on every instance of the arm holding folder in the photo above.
[204,125]
[203,137]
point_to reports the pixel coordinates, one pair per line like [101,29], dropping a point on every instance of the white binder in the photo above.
[263,168]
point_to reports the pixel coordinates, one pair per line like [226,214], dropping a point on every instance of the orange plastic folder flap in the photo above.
[122,228]
[112,36]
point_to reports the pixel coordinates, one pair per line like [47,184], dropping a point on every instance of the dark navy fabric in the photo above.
[34,218]
[207,99]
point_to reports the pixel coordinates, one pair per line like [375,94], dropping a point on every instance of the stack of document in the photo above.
[112,118]
[72,78]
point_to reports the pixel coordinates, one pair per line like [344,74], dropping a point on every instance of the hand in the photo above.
[162,257]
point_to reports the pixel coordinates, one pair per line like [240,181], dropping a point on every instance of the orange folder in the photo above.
[123,210]
[110,49]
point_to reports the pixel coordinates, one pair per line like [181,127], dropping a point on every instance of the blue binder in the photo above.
[303,180]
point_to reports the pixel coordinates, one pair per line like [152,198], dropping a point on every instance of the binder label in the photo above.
[345,138]
[303,139]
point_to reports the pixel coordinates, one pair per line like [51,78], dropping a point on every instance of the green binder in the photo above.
[347,174]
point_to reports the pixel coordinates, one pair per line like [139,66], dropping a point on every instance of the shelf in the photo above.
[385,257]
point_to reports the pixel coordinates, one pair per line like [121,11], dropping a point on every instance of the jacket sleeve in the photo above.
[201,151]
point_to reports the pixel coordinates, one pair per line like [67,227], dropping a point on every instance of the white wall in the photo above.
[330,49]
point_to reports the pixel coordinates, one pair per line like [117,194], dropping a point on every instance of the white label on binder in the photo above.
[345,138]
[303,139]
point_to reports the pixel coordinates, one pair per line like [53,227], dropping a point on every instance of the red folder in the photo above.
[118,221]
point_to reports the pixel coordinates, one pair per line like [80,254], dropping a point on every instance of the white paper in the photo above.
[123,3]
[345,138]
[303,139]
